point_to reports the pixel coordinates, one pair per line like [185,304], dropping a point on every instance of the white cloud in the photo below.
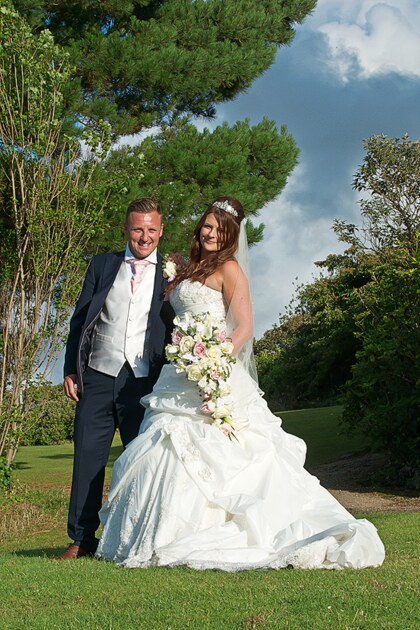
[293,241]
[136,138]
[366,38]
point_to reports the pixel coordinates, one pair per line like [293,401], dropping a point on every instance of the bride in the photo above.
[223,490]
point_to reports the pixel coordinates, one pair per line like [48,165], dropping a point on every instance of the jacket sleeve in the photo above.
[78,320]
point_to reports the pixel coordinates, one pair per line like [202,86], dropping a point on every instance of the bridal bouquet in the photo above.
[201,349]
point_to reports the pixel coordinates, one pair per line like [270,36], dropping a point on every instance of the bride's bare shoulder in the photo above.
[229,268]
[226,275]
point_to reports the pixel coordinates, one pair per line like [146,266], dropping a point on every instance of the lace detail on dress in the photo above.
[195,297]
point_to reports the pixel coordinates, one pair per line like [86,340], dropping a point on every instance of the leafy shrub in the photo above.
[5,474]
[50,416]
[355,329]
[381,398]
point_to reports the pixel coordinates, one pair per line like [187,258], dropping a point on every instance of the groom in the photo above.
[114,354]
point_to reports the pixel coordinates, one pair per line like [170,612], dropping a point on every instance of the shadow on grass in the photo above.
[58,456]
[27,465]
[114,453]
[40,552]
[361,472]
[23,466]
[46,552]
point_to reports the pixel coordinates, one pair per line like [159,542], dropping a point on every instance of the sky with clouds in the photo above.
[353,70]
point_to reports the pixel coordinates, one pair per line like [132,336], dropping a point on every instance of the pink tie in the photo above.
[137,270]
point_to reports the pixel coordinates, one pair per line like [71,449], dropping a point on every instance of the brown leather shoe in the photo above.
[74,552]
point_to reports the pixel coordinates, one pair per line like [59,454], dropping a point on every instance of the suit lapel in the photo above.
[105,279]
[158,288]
[155,307]
[111,268]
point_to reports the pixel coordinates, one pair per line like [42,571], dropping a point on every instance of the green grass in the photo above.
[37,593]
[322,431]
[51,466]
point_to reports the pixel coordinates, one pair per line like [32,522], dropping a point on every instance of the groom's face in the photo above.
[143,230]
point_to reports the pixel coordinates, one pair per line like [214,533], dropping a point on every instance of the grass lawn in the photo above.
[38,593]
[322,431]
[51,466]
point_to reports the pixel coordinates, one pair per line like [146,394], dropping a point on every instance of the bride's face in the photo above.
[210,236]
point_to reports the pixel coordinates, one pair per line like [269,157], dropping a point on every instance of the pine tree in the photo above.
[141,63]
[150,64]
[186,169]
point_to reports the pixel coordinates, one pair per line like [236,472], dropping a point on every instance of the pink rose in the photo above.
[176,337]
[221,336]
[205,408]
[199,350]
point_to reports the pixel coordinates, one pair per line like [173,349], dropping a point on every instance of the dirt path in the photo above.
[346,478]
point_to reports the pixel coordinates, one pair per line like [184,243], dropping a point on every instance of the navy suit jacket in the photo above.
[101,273]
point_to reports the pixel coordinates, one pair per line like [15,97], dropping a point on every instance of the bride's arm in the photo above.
[235,290]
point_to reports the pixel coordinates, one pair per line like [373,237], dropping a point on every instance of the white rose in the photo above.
[213,363]
[226,347]
[170,269]
[171,350]
[186,344]
[194,372]
[214,352]
[223,411]
[221,365]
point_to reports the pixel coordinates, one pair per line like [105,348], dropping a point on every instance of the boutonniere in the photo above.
[170,268]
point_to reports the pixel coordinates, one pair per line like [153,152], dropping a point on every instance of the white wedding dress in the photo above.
[182,493]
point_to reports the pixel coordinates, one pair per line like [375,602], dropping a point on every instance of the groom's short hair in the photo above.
[144,204]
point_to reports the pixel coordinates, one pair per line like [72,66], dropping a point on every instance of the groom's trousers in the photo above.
[107,402]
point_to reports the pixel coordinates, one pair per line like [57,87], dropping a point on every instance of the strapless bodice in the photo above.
[194,297]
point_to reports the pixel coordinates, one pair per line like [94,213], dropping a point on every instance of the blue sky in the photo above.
[353,70]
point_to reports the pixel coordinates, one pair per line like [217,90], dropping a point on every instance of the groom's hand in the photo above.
[70,381]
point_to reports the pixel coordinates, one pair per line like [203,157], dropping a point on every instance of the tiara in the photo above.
[225,205]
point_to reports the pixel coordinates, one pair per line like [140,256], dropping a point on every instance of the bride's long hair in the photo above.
[229,224]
